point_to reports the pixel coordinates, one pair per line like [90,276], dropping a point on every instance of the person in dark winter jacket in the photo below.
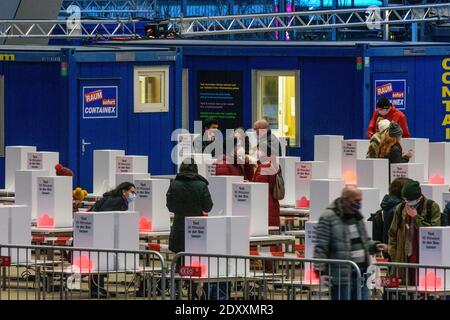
[188,196]
[390,203]
[341,234]
[114,200]
[117,199]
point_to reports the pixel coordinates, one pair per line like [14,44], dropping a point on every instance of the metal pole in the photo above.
[414,32]
[282,9]
[334,31]
[386,26]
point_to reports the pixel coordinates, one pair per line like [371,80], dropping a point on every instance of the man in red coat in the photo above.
[385,110]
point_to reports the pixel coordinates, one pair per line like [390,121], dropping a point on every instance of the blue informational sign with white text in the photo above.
[100,102]
[394,90]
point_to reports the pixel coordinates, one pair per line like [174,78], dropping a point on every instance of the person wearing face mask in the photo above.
[341,234]
[385,110]
[266,172]
[117,199]
[235,162]
[114,200]
[210,131]
[417,211]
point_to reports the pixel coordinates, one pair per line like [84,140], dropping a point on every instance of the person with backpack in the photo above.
[389,205]
[417,211]
[268,171]
[375,140]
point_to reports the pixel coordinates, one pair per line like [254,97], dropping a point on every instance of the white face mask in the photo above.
[131,197]
[413,203]
[383,112]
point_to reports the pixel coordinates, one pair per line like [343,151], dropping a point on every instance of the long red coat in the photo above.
[274,204]
[393,115]
[225,168]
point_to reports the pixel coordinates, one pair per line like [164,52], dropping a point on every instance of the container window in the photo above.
[151,87]
[277,98]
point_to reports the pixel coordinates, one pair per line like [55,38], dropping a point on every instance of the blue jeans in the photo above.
[347,291]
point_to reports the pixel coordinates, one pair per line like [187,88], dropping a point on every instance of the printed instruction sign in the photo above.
[303,171]
[34,160]
[431,240]
[349,149]
[394,90]
[100,102]
[241,193]
[45,187]
[399,172]
[124,165]
[196,229]
[144,190]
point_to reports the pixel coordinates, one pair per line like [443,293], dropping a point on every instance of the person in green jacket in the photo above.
[418,211]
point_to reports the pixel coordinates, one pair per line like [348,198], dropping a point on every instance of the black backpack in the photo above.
[377,225]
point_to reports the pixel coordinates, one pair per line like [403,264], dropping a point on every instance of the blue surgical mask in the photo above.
[356,206]
[131,197]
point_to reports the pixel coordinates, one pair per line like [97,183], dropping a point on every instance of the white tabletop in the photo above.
[272,237]
[154,233]
[295,233]
[294,211]
[52,230]
[11,199]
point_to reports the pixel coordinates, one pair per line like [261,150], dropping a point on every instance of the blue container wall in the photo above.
[35,108]
[330,94]
[146,133]
[425,111]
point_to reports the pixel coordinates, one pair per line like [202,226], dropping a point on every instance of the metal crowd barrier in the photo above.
[224,277]
[65,273]
[408,281]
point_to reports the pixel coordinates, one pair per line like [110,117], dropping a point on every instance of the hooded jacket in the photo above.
[389,206]
[188,196]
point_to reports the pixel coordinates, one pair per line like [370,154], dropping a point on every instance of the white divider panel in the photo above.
[15,159]
[329,148]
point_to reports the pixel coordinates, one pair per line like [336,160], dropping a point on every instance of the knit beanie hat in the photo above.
[395,130]
[383,103]
[383,124]
[411,190]
[63,171]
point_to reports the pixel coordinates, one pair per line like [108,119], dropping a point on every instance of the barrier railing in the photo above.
[407,281]
[60,273]
[225,277]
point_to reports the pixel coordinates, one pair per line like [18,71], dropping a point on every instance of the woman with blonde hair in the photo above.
[390,147]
